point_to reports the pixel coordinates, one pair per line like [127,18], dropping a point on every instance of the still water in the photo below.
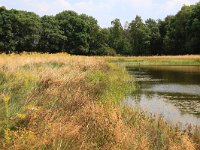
[172,92]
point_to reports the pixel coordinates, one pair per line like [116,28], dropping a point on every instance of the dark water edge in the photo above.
[172,92]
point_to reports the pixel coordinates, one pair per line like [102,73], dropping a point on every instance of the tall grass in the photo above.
[70,102]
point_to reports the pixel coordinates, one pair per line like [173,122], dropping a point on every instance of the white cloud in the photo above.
[53,7]
[1,4]
[97,9]
[45,7]
[171,6]
[140,3]
[91,5]
[103,10]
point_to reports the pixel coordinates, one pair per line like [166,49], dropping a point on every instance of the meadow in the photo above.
[179,60]
[59,101]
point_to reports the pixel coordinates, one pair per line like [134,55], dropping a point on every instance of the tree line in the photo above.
[80,34]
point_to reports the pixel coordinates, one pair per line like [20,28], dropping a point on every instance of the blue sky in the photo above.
[103,10]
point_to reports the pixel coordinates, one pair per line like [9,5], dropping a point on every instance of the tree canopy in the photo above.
[80,34]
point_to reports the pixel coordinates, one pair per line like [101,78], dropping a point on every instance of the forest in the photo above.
[80,34]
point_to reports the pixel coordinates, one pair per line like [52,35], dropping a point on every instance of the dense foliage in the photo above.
[80,34]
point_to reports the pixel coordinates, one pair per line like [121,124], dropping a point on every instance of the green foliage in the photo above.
[109,51]
[80,31]
[80,34]
[26,28]
[182,31]
[7,42]
[104,51]
[155,37]
[52,37]
[140,39]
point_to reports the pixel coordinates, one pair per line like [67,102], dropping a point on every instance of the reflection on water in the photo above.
[170,91]
[175,88]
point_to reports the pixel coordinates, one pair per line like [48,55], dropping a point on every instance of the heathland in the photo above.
[59,101]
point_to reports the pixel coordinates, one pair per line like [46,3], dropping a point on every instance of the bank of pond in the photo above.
[59,101]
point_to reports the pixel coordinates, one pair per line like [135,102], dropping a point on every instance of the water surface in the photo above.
[172,92]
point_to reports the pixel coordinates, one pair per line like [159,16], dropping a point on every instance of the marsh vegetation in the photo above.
[58,101]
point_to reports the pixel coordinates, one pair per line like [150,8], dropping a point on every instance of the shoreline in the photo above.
[59,101]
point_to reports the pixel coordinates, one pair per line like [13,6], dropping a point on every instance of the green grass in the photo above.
[15,88]
[173,60]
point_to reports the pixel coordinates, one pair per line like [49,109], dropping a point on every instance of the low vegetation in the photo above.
[185,60]
[70,102]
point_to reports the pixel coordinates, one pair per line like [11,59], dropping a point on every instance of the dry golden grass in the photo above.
[70,102]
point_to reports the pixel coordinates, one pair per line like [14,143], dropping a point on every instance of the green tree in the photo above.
[7,40]
[75,29]
[118,38]
[182,34]
[52,37]
[139,37]
[155,37]
[193,43]
[169,43]
[116,33]
[101,42]
[92,31]
[80,34]
[26,28]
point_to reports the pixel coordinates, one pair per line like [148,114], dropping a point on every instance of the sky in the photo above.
[103,10]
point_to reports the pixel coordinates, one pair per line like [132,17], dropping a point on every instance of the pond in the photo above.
[172,92]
